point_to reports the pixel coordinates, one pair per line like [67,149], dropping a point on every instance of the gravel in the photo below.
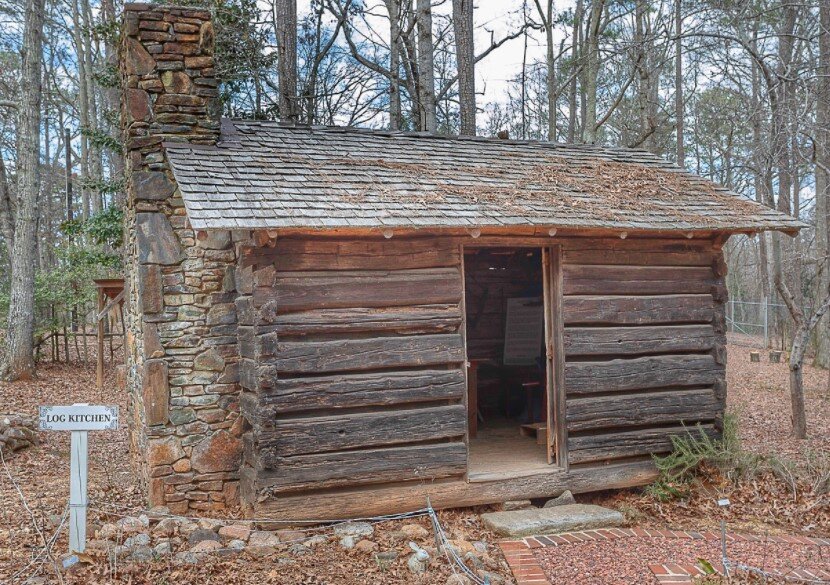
[626,561]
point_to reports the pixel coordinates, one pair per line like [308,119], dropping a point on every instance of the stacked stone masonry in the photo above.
[182,346]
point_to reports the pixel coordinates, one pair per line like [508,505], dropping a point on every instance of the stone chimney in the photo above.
[181,348]
[170,89]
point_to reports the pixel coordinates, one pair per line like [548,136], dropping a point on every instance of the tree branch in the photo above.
[493,46]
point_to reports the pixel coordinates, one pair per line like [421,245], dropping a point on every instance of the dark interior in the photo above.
[510,387]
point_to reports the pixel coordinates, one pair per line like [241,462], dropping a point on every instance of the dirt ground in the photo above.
[760,503]
[786,490]
[42,473]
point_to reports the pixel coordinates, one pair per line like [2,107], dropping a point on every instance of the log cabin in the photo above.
[332,322]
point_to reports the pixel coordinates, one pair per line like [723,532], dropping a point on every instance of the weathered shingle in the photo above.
[267,175]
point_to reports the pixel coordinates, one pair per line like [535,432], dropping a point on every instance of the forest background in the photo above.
[736,91]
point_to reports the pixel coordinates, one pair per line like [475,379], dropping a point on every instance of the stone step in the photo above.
[568,518]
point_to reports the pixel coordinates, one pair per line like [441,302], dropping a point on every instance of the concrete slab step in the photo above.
[566,518]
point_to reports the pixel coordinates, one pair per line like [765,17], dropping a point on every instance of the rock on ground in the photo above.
[414,531]
[206,546]
[512,505]
[354,529]
[201,535]
[551,520]
[263,538]
[564,499]
[17,432]
[416,565]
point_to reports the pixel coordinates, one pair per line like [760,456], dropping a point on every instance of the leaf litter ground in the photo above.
[767,502]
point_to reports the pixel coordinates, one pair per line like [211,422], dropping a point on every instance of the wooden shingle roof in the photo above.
[268,175]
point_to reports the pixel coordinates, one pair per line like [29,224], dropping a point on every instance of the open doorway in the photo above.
[507,374]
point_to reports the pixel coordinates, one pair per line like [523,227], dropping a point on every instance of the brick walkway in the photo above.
[528,571]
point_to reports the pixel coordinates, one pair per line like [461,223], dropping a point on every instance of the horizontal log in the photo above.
[372,466]
[419,319]
[360,430]
[638,252]
[617,445]
[291,254]
[309,357]
[641,409]
[620,375]
[586,341]
[637,310]
[302,291]
[447,494]
[582,279]
[283,396]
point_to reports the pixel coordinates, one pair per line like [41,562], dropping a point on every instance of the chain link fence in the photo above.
[762,324]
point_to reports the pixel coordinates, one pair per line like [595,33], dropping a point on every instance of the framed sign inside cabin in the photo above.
[523,331]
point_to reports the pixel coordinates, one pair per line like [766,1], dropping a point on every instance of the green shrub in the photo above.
[696,449]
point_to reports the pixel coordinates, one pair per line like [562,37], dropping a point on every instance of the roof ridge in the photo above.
[232,123]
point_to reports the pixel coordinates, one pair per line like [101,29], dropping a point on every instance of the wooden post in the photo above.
[557,438]
[86,349]
[99,369]
[77,491]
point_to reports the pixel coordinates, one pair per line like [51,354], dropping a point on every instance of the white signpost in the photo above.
[78,418]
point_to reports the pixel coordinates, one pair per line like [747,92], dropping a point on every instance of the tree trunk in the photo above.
[6,209]
[589,129]
[462,18]
[20,361]
[394,9]
[823,177]
[801,336]
[575,64]
[83,103]
[96,167]
[553,98]
[797,402]
[116,159]
[679,106]
[426,75]
[286,22]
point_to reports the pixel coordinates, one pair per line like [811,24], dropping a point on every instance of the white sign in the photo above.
[78,417]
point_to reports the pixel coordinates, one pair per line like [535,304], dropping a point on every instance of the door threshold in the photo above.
[486,476]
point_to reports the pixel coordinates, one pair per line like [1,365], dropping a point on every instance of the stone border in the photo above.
[527,570]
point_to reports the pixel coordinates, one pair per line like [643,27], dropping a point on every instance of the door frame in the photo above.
[556,443]
[557,431]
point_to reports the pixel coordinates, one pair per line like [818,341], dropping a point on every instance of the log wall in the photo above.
[352,354]
[644,340]
[352,357]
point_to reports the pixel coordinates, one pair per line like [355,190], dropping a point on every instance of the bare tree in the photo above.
[285,17]
[546,15]
[822,170]
[803,327]
[426,67]
[679,106]
[393,7]
[462,18]
[594,28]
[20,360]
